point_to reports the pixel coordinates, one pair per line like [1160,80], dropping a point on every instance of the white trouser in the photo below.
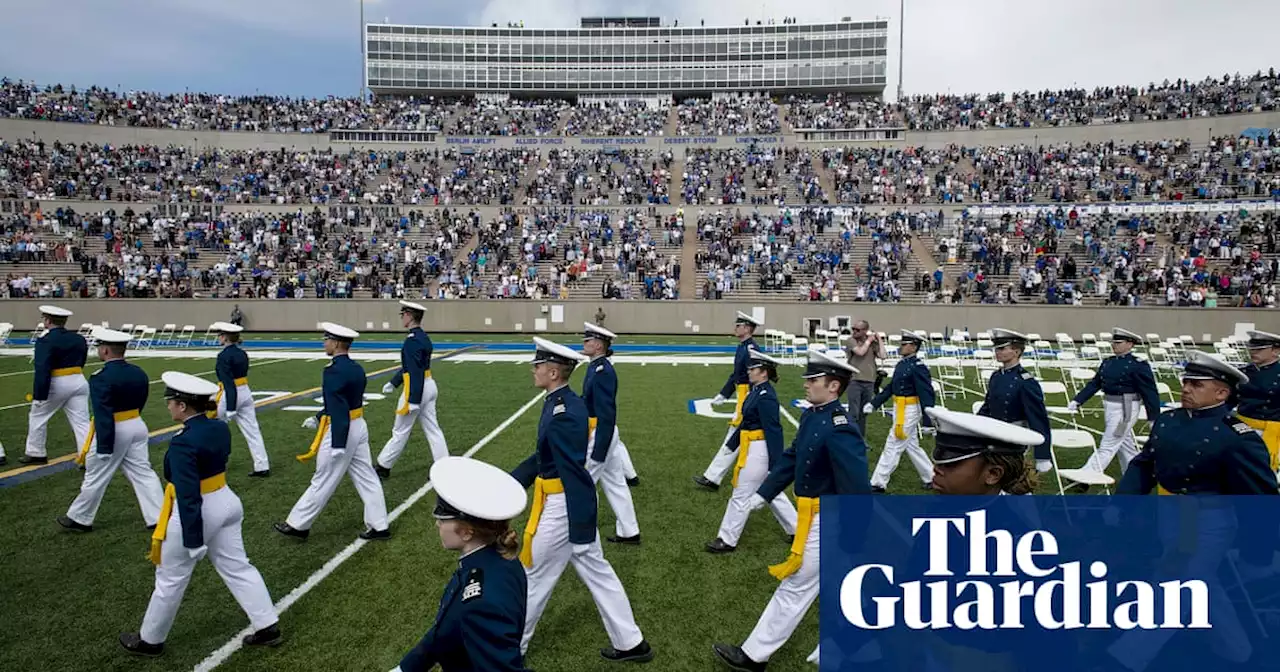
[69,393]
[788,605]
[1120,417]
[1216,529]
[551,552]
[723,460]
[750,477]
[624,459]
[247,421]
[329,471]
[893,447]
[425,416]
[609,474]
[222,515]
[129,454]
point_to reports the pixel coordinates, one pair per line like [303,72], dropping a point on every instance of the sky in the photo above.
[312,47]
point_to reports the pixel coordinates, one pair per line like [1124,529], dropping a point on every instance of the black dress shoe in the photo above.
[734,657]
[791,539]
[631,482]
[374,535]
[718,546]
[27,459]
[926,486]
[383,472]
[3,460]
[642,653]
[265,473]
[268,636]
[133,643]
[73,525]
[702,482]
[152,528]
[633,541]
[877,490]
[285,529]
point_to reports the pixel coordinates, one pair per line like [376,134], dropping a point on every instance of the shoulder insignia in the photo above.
[1026,375]
[839,420]
[329,364]
[474,586]
[1240,427]
[179,432]
[600,368]
[558,409]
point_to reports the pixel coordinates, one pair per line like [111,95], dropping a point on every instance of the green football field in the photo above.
[66,596]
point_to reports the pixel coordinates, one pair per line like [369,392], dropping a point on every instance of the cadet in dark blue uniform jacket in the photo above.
[608,460]
[1126,382]
[341,442]
[481,616]
[1258,399]
[118,438]
[828,457]
[738,384]
[418,401]
[235,399]
[201,516]
[58,383]
[912,392]
[1014,395]
[1201,449]
[759,442]
[562,518]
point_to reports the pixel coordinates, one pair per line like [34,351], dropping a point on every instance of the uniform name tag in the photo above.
[840,420]
[474,587]
[558,409]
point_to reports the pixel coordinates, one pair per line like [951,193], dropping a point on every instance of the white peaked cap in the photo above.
[339,331]
[476,489]
[54,311]
[188,384]
[104,335]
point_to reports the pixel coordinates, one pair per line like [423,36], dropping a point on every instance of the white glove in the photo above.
[1044,465]
[195,553]
[591,464]
[37,403]
[756,502]
[718,399]
[310,423]
[413,408]
[1111,516]
[231,415]
[337,453]
[867,408]
[102,456]
[1073,406]
[581,549]
[928,431]
[388,388]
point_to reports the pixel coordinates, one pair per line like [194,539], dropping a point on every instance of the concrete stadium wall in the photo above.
[1197,130]
[649,317]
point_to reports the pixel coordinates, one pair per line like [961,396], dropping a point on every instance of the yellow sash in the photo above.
[807,508]
[320,430]
[404,401]
[68,371]
[207,485]
[88,439]
[1270,435]
[900,415]
[745,438]
[213,415]
[591,424]
[541,488]
[743,391]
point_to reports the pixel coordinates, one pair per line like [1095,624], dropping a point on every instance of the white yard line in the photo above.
[234,644]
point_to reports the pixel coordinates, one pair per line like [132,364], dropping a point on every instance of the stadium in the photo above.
[657,180]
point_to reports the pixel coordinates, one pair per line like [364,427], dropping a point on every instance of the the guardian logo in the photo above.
[1053,594]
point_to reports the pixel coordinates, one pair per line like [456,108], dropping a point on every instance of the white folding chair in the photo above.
[165,335]
[184,338]
[1089,475]
[210,336]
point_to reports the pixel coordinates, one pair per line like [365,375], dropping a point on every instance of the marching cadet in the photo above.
[737,384]
[827,457]
[1014,395]
[201,517]
[1201,449]
[418,401]
[1258,399]
[342,443]
[562,516]
[1126,382]
[117,438]
[912,391]
[759,442]
[481,616]
[235,399]
[608,454]
[59,384]
[999,446]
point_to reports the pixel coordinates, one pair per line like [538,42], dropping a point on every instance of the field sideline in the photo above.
[79,591]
